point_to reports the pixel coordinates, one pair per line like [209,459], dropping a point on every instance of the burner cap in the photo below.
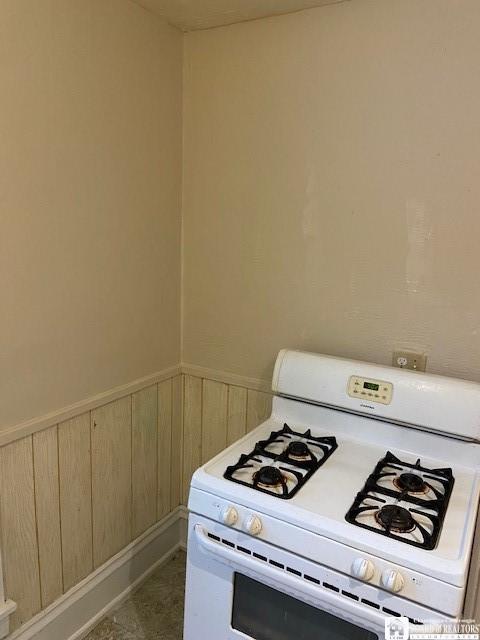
[395,518]
[269,476]
[410,482]
[298,449]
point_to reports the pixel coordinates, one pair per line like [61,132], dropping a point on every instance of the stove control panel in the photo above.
[391,578]
[369,389]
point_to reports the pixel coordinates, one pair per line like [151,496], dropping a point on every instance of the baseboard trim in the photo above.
[75,613]
[227,378]
[23,429]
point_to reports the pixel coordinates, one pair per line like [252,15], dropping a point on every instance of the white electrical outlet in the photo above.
[404,359]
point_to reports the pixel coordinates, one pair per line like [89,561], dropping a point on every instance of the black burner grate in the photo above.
[301,455]
[396,517]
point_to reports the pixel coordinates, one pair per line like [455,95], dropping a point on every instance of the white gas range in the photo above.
[356,501]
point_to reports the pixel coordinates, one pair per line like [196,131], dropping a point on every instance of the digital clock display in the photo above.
[371,385]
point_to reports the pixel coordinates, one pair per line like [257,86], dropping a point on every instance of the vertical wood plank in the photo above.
[237,413]
[192,430]
[214,418]
[18,532]
[144,459]
[164,447]
[177,441]
[75,498]
[47,504]
[259,407]
[111,427]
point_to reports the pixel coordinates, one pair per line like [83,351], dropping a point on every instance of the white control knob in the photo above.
[363,569]
[253,525]
[392,580]
[229,516]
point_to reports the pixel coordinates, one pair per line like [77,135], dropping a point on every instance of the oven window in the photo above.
[266,614]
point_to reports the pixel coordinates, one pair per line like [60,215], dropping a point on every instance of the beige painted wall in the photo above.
[90,185]
[332,162]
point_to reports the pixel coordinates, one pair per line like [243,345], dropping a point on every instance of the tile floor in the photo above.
[154,612]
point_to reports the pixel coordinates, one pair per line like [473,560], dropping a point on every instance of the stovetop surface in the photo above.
[322,503]
[402,500]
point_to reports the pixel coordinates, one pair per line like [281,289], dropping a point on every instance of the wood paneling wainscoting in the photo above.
[77,491]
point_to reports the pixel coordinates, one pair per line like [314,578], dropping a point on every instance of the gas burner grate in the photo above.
[281,464]
[404,501]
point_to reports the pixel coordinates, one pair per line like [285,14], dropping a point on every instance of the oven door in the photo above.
[265,613]
[232,592]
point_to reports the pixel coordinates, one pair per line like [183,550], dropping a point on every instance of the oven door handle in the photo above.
[336,604]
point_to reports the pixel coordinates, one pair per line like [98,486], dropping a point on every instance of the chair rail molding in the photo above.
[28,427]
